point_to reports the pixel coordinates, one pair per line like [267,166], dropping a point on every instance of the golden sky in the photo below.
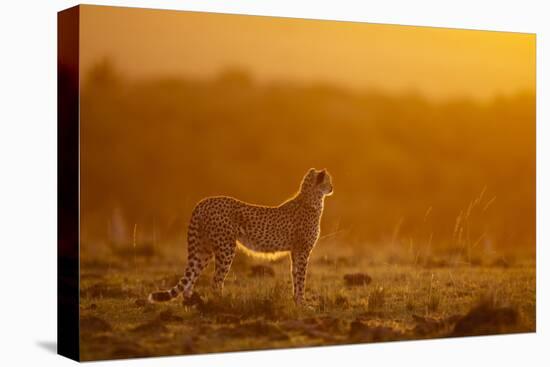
[436,62]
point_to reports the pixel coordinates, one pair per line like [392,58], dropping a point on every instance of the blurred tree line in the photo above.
[403,167]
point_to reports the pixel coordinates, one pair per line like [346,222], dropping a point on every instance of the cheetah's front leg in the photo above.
[299,269]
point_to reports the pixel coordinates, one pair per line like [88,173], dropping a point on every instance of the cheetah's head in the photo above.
[318,180]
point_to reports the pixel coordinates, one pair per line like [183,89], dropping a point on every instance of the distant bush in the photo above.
[151,149]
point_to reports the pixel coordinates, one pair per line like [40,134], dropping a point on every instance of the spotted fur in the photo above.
[218,224]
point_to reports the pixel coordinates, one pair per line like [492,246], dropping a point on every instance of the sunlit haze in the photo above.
[435,62]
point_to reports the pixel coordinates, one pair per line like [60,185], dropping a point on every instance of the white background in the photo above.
[28,182]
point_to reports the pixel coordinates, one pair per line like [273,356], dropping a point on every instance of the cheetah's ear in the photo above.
[321,176]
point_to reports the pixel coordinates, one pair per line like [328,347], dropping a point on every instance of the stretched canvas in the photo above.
[234,183]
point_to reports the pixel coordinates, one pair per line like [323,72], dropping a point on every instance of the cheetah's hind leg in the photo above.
[224,253]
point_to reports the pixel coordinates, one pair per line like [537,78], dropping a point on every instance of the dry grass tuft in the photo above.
[376,299]
[356,279]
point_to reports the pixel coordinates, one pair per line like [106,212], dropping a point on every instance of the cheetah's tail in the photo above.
[164,296]
[161,296]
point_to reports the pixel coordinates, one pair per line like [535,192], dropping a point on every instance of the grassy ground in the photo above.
[350,299]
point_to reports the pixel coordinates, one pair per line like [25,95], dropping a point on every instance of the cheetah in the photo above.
[219,224]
